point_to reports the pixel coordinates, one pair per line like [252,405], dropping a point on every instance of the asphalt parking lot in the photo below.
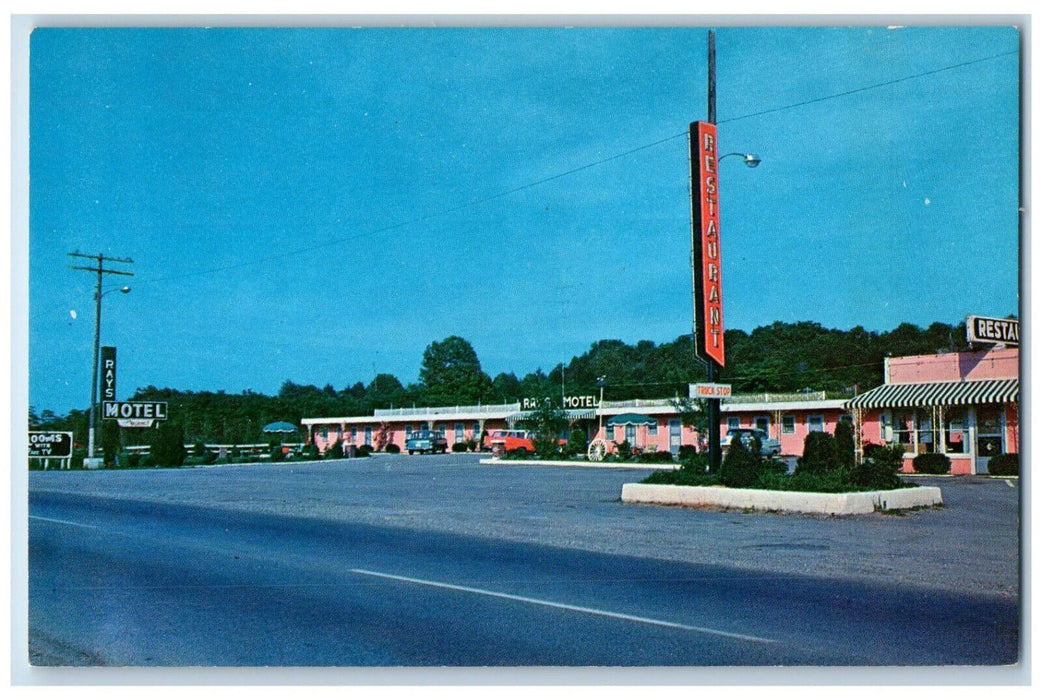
[972,544]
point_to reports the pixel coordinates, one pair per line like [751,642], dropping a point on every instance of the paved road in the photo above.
[440,561]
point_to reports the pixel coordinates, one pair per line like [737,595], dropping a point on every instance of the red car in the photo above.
[501,441]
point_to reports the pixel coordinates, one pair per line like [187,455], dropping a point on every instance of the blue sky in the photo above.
[318,205]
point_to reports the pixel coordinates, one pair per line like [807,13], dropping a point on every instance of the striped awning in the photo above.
[982,391]
[572,414]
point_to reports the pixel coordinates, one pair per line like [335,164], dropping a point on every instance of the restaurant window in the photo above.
[762,423]
[925,434]
[816,424]
[788,425]
[734,422]
[904,429]
[956,437]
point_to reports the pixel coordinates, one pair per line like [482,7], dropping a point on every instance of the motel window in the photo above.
[631,434]
[368,435]
[408,431]
[788,425]
[475,431]
[762,423]
[733,422]
[325,433]
[459,432]
[653,429]
[609,433]
[354,436]
[339,433]
[439,428]
[816,424]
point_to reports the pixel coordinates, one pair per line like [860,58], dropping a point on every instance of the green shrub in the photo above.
[879,471]
[199,449]
[685,476]
[472,445]
[662,456]
[819,454]
[459,447]
[740,468]
[577,443]
[335,451]
[931,463]
[686,452]
[843,440]
[277,455]
[209,457]
[698,461]
[624,450]
[363,450]
[392,448]
[1004,465]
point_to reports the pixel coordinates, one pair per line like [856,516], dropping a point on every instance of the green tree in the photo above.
[547,422]
[167,444]
[110,445]
[451,374]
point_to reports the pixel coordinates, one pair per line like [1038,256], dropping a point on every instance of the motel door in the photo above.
[990,436]
[674,436]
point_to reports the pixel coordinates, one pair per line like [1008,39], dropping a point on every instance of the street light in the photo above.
[94,375]
[751,159]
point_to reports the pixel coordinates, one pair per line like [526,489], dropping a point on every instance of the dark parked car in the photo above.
[768,445]
[426,441]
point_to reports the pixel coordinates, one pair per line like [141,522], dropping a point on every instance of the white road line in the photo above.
[564,606]
[62,522]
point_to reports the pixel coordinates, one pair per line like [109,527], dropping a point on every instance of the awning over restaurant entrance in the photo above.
[984,391]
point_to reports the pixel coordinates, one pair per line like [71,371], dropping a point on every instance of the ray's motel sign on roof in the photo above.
[1004,331]
[705,220]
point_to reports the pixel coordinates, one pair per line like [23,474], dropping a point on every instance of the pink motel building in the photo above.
[652,425]
[962,404]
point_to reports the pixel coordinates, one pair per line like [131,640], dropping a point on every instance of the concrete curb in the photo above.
[782,501]
[585,465]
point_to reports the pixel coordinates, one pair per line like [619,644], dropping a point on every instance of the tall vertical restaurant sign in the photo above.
[108,373]
[705,223]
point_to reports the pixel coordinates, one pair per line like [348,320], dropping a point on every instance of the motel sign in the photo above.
[134,414]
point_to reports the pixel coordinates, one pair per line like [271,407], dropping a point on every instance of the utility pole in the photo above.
[100,270]
[712,373]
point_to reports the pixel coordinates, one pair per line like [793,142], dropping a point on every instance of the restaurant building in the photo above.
[965,405]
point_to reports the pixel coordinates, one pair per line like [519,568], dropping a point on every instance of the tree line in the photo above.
[781,357]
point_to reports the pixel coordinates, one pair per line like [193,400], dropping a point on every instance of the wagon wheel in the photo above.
[596,451]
